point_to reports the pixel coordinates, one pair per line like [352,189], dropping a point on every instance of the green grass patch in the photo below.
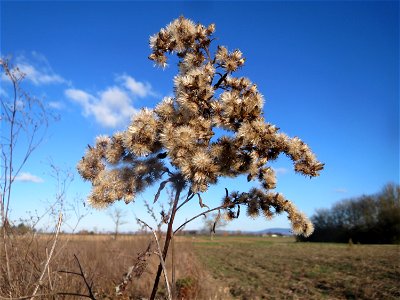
[280,268]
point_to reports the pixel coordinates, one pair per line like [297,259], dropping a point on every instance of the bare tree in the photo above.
[213,221]
[24,121]
[175,143]
[118,217]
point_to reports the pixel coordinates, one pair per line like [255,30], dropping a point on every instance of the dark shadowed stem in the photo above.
[81,273]
[167,241]
[223,77]
[88,286]
[188,198]
[173,267]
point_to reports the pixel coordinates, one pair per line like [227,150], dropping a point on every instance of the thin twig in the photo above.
[188,198]
[199,215]
[82,274]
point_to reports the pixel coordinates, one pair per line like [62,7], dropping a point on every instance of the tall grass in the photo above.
[105,261]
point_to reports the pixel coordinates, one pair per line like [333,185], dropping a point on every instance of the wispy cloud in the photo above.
[37,69]
[28,177]
[56,104]
[137,88]
[341,190]
[113,106]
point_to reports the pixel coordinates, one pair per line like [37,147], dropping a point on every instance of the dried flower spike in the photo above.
[181,129]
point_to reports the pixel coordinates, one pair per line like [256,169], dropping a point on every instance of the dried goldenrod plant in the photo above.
[175,142]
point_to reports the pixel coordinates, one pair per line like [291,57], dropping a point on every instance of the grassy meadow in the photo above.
[227,267]
[280,268]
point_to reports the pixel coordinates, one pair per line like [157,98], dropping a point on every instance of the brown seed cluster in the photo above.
[181,129]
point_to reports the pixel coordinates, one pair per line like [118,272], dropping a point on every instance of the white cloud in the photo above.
[28,177]
[113,106]
[38,70]
[137,88]
[78,95]
[56,104]
[39,77]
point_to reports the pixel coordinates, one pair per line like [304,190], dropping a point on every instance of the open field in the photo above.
[231,267]
[280,268]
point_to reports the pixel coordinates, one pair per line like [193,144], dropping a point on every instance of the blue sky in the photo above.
[329,72]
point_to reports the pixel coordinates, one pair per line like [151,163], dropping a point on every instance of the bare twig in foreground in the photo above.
[81,274]
[89,286]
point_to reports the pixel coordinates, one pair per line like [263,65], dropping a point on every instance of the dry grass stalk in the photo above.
[46,266]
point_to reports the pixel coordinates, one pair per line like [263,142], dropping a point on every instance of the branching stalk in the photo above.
[204,213]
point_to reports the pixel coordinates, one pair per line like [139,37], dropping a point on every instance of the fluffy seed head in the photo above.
[182,128]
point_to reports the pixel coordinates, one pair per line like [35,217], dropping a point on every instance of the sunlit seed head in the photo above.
[206,96]
[210,29]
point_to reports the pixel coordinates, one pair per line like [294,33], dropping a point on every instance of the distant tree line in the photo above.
[19,229]
[372,219]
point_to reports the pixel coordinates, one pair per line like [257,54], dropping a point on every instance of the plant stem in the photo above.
[167,241]
[162,262]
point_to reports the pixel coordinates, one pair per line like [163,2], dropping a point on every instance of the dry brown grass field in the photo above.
[104,261]
[230,267]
